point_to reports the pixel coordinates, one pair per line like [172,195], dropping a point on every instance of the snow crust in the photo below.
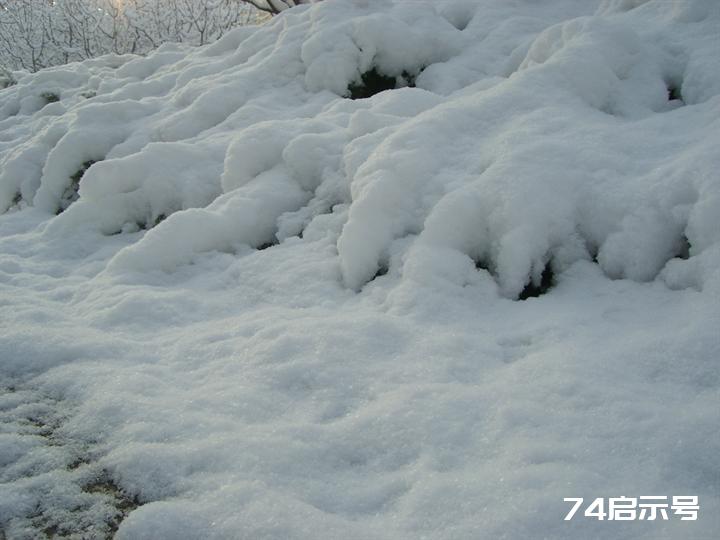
[271,311]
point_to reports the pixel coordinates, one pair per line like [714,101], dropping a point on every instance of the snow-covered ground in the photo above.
[275,312]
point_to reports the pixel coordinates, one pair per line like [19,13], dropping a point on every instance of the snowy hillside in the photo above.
[246,294]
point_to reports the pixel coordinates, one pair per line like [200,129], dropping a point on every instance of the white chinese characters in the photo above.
[643,508]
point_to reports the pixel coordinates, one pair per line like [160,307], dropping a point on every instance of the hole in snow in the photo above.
[382,270]
[50,97]
[266,245]
[158,220]
[535,289]
[482,264]
[674,94]
[684,248]
[150,223]
[71,192]
[373,82]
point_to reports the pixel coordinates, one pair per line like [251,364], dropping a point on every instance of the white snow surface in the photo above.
[274,312]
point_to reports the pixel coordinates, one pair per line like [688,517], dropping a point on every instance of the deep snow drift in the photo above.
[237,303]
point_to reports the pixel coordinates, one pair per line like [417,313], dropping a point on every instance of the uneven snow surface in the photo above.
[236,303]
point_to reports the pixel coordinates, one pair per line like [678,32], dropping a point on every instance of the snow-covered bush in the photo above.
[36,33]
[522,211]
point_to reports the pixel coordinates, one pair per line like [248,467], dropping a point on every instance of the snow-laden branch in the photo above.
[36,33]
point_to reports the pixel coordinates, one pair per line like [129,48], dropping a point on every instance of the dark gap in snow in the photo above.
[71,193]
[266,245]
[381,271]
[158,220]
[409,78]
[533,289]
[17,199]
[482,264]
[674,92]
[683,251]
[593,250]
[50,97]
[148,224]
[373,82]
[88,94]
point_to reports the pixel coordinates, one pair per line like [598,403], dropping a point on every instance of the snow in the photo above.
[272,311]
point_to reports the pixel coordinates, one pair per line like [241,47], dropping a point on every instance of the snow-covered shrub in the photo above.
[473,150]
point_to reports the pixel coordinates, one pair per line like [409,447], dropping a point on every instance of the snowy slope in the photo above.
[236,303]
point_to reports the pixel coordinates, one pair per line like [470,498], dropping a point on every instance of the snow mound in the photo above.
[480,156]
